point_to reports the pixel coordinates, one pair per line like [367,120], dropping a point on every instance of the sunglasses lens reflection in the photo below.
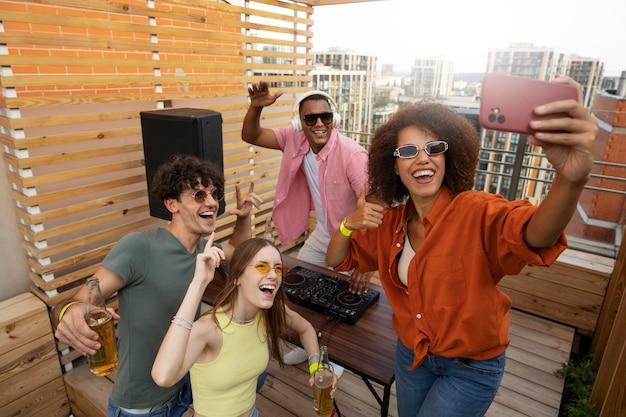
[434,148]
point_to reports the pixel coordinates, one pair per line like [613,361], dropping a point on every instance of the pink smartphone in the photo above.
[507,101]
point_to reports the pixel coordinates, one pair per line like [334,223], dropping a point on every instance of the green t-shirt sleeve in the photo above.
[129,257]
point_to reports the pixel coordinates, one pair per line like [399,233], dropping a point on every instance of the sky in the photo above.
[398,31]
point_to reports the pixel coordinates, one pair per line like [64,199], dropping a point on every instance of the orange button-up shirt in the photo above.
[451,305]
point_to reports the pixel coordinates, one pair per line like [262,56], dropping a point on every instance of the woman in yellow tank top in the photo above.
[227,348]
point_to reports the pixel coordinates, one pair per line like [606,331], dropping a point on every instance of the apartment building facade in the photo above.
[349,78]
[432,77]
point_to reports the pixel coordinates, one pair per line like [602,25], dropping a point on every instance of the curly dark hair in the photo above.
[438,120]
[181,173]
[274,317]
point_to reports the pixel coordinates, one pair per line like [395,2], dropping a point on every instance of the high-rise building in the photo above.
[349,78]
[432,77]
[588,73]
[527,60]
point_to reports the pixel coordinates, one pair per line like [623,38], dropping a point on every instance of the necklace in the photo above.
[236,320]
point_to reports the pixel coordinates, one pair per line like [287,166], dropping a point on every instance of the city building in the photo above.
[432,77]
[349,78]
[588,73]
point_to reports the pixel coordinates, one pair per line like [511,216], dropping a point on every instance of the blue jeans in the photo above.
[446,387]
[175,407]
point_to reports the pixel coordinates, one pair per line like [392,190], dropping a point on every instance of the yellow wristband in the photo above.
[313,367]
[64,309]
[343,229]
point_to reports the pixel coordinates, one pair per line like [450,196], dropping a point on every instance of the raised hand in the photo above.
[207,262]
[246,202]
[365,214]
[260,96]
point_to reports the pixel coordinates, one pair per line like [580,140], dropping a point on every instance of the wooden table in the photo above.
[367,348]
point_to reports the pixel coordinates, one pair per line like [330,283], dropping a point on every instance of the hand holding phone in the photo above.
[507,101]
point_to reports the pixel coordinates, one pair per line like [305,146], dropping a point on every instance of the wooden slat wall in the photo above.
[75,74]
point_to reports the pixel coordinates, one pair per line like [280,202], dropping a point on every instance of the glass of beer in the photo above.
[105,360]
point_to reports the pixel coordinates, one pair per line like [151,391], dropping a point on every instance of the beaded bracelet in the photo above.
[181,325]
[183,319]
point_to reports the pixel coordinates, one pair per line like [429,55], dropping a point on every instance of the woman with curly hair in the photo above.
[441,248]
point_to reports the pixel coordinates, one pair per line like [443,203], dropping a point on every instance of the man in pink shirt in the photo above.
[321,170]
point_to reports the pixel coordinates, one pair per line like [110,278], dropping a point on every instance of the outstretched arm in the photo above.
[252,132]
[185,339]
[571,155]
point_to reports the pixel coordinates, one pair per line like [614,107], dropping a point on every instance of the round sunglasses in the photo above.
[200,195]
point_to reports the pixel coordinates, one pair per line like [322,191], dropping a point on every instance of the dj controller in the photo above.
[327,294]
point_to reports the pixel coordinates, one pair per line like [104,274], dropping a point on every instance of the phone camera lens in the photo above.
[492,118]
[501,119]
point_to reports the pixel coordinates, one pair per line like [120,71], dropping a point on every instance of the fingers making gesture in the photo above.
[365,214]
[246,202]
[207,262]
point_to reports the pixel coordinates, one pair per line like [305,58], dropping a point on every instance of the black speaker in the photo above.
[179,131]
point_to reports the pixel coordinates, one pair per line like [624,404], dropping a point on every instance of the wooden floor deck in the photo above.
[529,387]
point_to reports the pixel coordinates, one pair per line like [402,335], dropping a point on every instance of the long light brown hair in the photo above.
[274,317]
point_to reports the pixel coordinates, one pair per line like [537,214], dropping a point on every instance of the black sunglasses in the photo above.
[431,148]
[200,195]
[311,119]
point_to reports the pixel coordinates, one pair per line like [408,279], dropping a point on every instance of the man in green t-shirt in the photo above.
[150,271]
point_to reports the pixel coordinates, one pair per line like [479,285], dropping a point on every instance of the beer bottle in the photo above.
[104,361]
[323,379]
[268,233]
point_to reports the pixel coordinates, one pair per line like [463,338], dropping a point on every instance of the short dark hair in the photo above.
[438,120]
[315,97]
[183,172]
